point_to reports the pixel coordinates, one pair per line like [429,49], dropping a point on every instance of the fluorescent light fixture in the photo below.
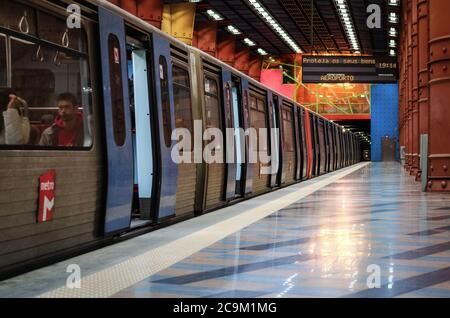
[392,32]
[214,15]
[249,42]
[392,43]
[233,30]
[261,51]
[392,53]
[393,17]
[344,13]
[394,3]
[270,20]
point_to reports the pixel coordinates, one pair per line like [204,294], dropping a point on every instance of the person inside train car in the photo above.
[15,126]
[67,129]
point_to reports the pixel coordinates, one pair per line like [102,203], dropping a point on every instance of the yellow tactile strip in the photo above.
[110,281]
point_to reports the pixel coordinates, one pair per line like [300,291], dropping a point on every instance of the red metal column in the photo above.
[129,5]
[439,67]
[150,11]
[242,59]
[207,37]
[255,67]
[410,86]
[226,49]
[423,38]
[415,92]
[116,2]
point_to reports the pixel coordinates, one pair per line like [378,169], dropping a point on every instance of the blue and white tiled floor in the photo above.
[323,245]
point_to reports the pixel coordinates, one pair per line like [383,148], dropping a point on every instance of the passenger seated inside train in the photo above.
[14,126]
[67,129]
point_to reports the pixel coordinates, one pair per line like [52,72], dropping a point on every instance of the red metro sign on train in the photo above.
[46,196]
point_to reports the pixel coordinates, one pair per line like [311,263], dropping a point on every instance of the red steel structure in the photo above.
[424,89]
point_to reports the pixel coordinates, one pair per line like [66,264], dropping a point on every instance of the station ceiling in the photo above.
[315,25]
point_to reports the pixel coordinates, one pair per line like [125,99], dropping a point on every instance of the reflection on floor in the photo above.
[330,244]
[335,236]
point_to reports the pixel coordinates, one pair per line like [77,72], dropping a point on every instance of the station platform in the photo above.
[325,237]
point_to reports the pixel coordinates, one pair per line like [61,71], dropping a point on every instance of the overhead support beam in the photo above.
[255,66]
[206,32]
[148,10]
[226,48]
[178,21]
[242,60]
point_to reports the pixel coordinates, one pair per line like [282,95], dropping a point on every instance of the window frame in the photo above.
[86,56]
[185,68]
[217,96]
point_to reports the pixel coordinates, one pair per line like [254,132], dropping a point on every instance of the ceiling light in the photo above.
[262,52]
[393,17]
[214,15]
[394,3]
[265,15]
[249,42]
[233,30]
[344,13]
[393,32]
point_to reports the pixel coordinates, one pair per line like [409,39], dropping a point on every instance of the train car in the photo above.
[126,86]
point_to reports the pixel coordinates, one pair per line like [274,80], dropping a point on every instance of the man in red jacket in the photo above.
[67,131]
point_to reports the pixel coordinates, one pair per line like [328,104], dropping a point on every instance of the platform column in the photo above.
[242,60]
[255,67]
[415,92]
[439,81]
[207,37]
[423,38]
[226,48]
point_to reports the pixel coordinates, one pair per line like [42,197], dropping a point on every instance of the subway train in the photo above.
[134,85]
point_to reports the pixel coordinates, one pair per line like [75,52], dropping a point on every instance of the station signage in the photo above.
[349,69]
[46,196]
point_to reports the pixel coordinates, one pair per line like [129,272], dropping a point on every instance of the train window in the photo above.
[182,98]
[3,76]
[54,29]
[116,82]
[212,103]
[17,17]
[163,74]
[253,102]
[258,115]
[53,83]
[288,131]
[229,110]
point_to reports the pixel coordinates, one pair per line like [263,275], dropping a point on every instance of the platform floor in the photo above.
[326,237]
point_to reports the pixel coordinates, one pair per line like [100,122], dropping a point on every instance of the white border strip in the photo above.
[112,280]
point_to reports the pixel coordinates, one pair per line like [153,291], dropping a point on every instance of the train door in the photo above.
[119,150]
[298,143]
[322,145]
[289,159]
[314,145]
[231,171]
[260,122]
[213,118]
[137,46]
[166,169]
[184,121]
[303,142]
[276,148]
[236,101]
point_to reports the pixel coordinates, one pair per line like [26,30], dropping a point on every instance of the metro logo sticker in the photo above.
[46,196]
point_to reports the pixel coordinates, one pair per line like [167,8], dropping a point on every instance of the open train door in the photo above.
[119,151]
[229,140]
[167,169]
